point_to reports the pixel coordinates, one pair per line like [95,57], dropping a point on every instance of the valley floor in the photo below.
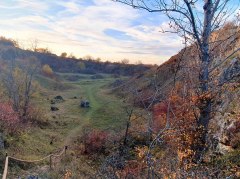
[64,126]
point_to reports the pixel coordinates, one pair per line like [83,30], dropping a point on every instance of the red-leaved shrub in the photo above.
[95,142]
[8,117]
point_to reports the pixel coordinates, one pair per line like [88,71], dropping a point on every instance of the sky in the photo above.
[100,28]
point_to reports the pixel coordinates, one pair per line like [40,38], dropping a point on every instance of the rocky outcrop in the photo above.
[57,99]
[85,104]
[225,130]
[232,72]
[54,108]
[225,125]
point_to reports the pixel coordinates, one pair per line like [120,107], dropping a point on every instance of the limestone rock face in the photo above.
[225,125]
[226,131]
[223,149]
[232,72]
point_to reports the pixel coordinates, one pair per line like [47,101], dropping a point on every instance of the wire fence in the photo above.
[50,156]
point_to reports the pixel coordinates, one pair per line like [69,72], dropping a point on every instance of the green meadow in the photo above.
[61,128]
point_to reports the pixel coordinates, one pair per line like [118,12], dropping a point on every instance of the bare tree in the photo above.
[18,82]
[125,61]
[34,45]
[30,69]
[129,113]
[196,21]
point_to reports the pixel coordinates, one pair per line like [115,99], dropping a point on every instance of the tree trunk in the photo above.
[205,97]
[126,132]
[130,112]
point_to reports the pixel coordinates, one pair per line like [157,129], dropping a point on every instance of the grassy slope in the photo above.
[105,113]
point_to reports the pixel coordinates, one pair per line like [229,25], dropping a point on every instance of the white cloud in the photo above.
[80,29]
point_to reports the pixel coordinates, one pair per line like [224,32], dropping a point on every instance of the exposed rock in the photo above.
[223,149]
[224,140]
[85,104]
[232,72]
[235,141]
[226,130]
[54,108]
[57,99]
[225,125]
[238,174]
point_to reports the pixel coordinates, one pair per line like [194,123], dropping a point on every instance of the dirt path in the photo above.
[93,94]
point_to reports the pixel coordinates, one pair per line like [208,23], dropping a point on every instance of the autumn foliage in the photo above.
[9,119]
[95,142]
[47,70]
[177,118]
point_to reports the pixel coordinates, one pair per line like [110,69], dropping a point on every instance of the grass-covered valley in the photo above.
[57,123]
[66,126]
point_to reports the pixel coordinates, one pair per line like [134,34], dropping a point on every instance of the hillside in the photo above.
[174,86]
[184,67]
[9,50]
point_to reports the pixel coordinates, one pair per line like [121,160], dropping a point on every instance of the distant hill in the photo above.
[9,50]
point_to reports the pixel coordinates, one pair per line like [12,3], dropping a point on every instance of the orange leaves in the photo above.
[183,156]
[134,168]
[159,116]
[47,70]
[141,152]
[179,113]
[68,174]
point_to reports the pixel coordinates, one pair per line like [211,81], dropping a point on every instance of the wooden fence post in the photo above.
[5,168]
[50,162]
[65,150]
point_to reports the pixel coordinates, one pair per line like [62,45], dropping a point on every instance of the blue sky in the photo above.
[100,28]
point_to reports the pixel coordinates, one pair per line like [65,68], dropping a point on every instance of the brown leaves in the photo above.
[180,112]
